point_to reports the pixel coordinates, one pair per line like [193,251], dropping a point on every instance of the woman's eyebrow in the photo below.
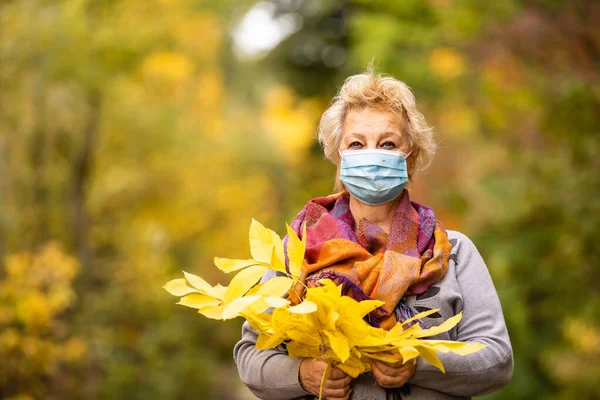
[391,133]
[383,134]
[355,134]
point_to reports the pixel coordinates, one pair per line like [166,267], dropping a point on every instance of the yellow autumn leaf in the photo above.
[443,327]
[300,350]
[461,348]
[421,315]
[307,339]
[259,322]
[219,291]
[214,312]
[359,309]
[339,344]
[237,306]
[197,300]
[353,366]
[229,265]
[269,341]
[295,251]
[277,286]
[243,281]
[202,285]
[381,356]
[179,287]
[276,302]
[430,356]
[306,307]
[278,257]
[408,353]
[261,244]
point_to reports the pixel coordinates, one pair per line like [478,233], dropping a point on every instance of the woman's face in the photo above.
[373,129]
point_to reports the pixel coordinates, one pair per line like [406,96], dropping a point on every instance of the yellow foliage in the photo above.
[169,66]
[447,63]
[290,121]
[200,34]
[458,121]
[167,73]
[583,336]
[325,324]
[36,290]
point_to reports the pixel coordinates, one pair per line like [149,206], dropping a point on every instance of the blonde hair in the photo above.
[367,91]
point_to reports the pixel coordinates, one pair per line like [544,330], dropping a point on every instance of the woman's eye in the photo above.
[355,145]
[388,145]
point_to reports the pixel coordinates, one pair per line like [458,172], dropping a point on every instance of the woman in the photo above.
[372,239]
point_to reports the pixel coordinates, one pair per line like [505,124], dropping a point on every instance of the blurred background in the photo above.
[139,137]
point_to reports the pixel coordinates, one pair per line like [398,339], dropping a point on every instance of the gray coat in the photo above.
[467,287]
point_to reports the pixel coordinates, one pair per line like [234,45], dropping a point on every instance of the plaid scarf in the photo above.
[367,261]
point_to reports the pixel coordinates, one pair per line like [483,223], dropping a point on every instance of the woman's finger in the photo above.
[336,374]
[330,393]
[339,383]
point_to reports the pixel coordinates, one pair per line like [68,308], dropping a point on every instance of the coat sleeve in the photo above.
[488,369]
[269,374]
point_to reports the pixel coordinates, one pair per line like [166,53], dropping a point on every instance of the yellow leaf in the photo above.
[395,331]
[295,251]
[306,307]
[276,302]
[261,245]
[461,348]
[301,350]
[353,366]
[421,315]
[408,353]
[243,281]
[380,357]
[237,306]
[229,265]
[201,285]
[311,339]
[359,309]
[263,342]
[215,312]
[431,357]
[277,258]
[339,345]
[277,286]
[436,330]
[197,300]
[178,287]
[219,291]
[259,322]
[269,342]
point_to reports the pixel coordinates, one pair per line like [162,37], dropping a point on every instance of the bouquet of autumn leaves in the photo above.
[324,325]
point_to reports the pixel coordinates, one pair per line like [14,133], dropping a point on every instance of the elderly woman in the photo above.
[378,244]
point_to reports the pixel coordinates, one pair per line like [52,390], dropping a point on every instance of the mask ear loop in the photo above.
[405,155]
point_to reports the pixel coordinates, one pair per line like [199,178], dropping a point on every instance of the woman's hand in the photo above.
[337,385]
[393,375]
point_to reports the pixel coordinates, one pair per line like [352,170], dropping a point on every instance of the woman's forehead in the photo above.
[372,121]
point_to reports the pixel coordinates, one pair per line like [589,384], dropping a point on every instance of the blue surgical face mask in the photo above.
[374,176]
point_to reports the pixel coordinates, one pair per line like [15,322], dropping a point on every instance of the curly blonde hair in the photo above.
[369,90]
